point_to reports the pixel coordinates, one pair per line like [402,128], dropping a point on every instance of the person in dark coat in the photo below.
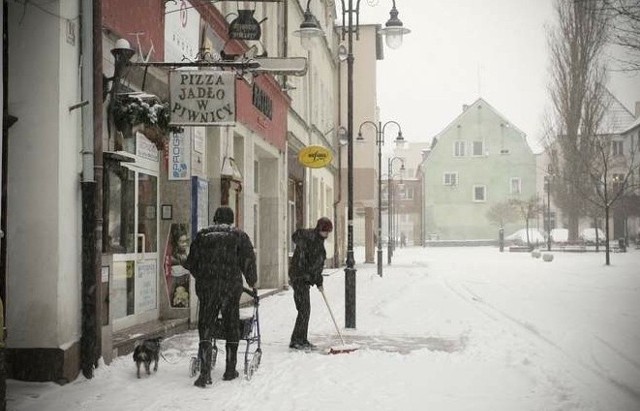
[218,257]
[305,271]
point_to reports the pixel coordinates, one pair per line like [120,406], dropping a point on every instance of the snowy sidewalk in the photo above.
[443,329]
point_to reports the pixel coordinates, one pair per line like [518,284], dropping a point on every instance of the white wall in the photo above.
[43,210]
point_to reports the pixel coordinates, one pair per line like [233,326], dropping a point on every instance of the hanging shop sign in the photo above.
[315,156]
[203,97]
[245,26]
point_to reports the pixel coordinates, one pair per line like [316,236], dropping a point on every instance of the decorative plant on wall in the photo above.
[145,114]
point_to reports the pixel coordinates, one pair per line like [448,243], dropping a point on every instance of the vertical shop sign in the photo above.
[180,156]
[198,160]
[181,31]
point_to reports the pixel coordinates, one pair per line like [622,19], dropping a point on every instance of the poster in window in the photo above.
[146,286]
[177,277]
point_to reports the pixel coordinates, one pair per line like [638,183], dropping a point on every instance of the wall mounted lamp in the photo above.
[309,29]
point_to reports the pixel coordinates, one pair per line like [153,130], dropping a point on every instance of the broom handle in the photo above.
[331,313]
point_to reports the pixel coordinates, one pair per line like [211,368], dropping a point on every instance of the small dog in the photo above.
[146,352]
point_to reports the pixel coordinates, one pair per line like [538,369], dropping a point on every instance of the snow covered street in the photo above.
[443,329]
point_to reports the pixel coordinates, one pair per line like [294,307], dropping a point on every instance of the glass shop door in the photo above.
[133,238]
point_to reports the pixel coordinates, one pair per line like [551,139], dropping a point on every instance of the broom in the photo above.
[340,349]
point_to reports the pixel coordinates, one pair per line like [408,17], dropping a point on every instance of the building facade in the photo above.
[618,129]
[312,122]
[108,205]
[367,50]
[478,160]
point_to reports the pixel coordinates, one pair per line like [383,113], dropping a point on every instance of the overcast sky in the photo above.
[459,50]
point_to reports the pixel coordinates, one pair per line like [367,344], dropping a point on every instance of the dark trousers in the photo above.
[212,302]
[303,305]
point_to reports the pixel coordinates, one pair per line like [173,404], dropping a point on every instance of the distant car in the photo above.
[520,237]
[560,235]
[588,236]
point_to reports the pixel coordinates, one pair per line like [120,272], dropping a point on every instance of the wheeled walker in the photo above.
[249,332]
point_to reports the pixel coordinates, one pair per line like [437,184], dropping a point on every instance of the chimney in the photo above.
[466,106]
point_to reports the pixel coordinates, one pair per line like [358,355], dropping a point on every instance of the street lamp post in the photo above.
[547,181]
[379,128]
[391,239]
[393,33]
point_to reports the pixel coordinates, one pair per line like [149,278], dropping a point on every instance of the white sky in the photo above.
[446,329]
[459,50]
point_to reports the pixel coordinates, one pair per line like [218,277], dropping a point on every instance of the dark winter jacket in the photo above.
[308,257]
[221,254]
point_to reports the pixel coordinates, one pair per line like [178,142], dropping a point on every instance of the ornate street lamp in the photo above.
[392,237]
[379,128]
[309,29]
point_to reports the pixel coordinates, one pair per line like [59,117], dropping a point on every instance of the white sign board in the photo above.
[145,148]
[146,289]
[203,97]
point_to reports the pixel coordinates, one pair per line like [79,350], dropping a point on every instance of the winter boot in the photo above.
[232,357]
[204,355]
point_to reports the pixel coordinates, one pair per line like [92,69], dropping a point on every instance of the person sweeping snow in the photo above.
[306,271]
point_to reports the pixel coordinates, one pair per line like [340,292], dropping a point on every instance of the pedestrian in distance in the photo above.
[218,258]
[306,271]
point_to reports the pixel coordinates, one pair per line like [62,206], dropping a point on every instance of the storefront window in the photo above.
[119,210]
[147,215]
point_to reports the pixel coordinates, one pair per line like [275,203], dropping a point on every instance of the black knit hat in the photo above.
[223,215]
[324,224]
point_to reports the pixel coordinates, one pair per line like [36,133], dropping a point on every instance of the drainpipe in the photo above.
[90,331]
[98,169]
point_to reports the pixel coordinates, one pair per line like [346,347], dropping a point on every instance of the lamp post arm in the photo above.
[375,127]
[391,122]
[391,160]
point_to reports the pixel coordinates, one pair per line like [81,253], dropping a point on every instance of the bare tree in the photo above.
[501,213]
[611,177]
[527,209]
[577,75]
[625,29]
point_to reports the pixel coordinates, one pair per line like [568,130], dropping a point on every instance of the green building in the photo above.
[478,160]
